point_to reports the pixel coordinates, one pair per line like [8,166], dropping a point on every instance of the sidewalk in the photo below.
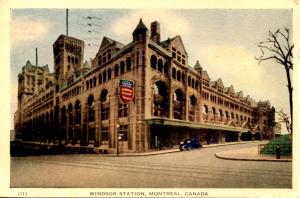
[246,154]
[158,152]
[250,154]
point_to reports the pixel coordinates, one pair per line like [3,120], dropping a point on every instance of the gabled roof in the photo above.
[220,82]
[240,94]
[29,66]
[113,42]
[169,41]
[110,41]
[229,89]
[205,75]
[216,83]
[86,65]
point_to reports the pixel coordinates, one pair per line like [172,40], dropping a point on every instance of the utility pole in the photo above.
[67,22]
[36,57]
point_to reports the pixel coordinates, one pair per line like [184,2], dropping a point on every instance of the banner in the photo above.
[126,90]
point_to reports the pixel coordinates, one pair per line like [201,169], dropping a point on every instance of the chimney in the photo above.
[155,32]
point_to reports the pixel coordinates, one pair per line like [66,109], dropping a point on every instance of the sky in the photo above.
[223,40]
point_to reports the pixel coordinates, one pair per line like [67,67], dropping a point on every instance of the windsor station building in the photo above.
[167,101]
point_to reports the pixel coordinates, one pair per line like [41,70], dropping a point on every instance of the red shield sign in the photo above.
[126,90]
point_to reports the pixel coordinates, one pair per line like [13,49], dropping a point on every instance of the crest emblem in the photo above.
[126,90]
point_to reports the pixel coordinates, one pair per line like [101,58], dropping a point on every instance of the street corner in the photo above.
[249,154]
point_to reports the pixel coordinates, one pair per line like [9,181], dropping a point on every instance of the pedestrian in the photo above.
[277,150]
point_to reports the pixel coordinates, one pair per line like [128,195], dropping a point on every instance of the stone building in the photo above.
[79,105]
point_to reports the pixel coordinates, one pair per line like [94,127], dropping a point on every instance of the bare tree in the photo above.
[279,48]
[284,118]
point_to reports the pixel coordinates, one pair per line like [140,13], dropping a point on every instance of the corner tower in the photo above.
[141,32]
[68,55]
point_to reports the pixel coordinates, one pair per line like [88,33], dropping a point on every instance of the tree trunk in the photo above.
[290,88]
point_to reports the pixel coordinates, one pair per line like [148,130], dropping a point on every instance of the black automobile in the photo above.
[189,144]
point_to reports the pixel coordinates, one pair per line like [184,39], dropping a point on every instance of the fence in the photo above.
[286,149]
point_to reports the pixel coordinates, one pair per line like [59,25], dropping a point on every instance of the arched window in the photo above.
[226,115]
[193,83]
[213,113]
[116,68]
[100,78]
[128,64]
[183,77]
[160,100]
[63,116]
[232,115]
[173,73]
[166,68]
[104,105]
[192,108]
[70,110]
[104,76]
[87,85]
[91,83]
[178,75]
[205,112]
[77,112]
[91,109]
[109,74]
[160,65]
[153,61]
[99,60]
[95,81]
[189,81]
[220,115]
[178,104]
[122,67]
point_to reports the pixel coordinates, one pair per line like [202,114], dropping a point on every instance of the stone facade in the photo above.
[78,105]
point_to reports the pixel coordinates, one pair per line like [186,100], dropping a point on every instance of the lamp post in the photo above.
[118,137]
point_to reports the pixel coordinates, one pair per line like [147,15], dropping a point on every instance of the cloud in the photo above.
[171,23]
[235,65]
[25,29]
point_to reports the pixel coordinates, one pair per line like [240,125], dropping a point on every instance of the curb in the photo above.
[246,159]
[175,150]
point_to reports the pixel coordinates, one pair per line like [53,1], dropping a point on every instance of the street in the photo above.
[188,169]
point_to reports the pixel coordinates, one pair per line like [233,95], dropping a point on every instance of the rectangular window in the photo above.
[104,113]
[123,110]
[104,134]
[183,61]
[123,132]
[173,54]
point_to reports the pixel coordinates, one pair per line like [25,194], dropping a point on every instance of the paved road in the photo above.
[197,169]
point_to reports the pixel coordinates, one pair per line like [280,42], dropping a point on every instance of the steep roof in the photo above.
[29,66]
[167,42]
[113,42]
[197,65]
[140,27]
[205,75]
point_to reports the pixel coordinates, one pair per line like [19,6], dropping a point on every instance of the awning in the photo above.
[182,123]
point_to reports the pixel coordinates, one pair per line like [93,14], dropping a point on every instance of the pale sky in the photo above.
[223,40]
